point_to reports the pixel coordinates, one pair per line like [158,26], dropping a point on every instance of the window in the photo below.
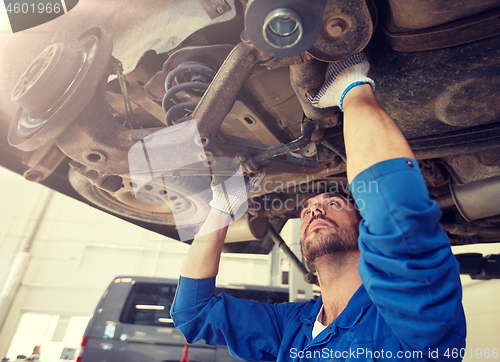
[149,303]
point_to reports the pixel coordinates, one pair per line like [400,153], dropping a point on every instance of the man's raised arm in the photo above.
[371,136]
[202,258]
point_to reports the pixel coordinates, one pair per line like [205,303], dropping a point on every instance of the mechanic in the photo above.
[390,286]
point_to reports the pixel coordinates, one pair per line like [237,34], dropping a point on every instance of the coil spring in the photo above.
[190,77]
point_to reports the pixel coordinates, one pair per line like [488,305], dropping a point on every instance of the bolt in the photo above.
[335,27]
[33,176]
[220,9]
[241,158]
[210,162]
[251,57]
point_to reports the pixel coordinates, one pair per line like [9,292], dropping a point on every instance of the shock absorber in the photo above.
[185,85]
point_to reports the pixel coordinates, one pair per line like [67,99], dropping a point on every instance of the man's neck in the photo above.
[339,279]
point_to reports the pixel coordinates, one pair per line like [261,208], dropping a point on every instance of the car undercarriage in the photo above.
[81,92]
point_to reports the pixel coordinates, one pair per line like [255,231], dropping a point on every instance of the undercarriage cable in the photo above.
[122,81]
[301,142]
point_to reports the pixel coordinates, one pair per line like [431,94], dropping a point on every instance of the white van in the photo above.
[132,323]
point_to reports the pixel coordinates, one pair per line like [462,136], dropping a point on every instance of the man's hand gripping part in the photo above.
[229,195]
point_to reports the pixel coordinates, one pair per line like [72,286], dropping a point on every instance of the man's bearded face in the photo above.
[329,226]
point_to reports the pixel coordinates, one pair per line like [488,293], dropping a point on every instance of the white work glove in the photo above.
[340,78]
[230,194]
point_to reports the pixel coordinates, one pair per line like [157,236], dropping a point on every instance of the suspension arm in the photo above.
[220,96]
[218,100]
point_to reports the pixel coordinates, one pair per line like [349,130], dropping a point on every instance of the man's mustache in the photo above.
[322,217]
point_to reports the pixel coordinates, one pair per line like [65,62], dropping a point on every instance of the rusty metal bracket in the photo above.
[42,162]
[459,32]
[215,8]
[348,26]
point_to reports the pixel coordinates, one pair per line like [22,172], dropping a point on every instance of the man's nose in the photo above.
[317,209]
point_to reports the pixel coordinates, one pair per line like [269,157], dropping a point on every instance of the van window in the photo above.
[149,304]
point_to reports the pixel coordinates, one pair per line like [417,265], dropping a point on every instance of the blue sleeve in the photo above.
[251,330]
[406,262]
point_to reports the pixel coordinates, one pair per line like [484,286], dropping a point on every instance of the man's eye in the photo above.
[307,212]
[333,202]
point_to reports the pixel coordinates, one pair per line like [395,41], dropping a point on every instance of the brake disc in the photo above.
[57,87]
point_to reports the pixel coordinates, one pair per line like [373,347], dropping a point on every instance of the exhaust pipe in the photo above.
[474,200]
